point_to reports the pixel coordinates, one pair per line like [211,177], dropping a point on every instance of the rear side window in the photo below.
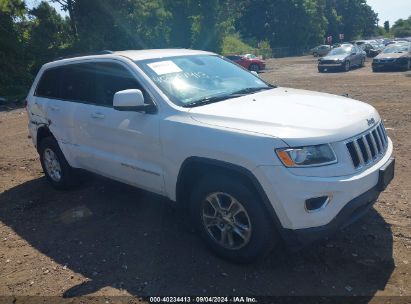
[110,79]
[79,82]
[91,82]
[49,84]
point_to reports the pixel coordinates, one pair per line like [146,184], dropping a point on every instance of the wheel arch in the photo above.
[194,168]
[42,132]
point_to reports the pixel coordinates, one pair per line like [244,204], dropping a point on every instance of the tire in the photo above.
[315,54]
[54,164]
[347,66]
[257,239]
[362,64]
[254,67]
[408,66]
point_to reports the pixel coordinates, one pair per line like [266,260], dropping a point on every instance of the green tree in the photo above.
[387,26]
[48,36]
[68,5]
[402,28]
[291,23]
[121,24]
[13,75]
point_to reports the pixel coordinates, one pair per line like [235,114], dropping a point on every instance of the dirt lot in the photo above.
[105,238]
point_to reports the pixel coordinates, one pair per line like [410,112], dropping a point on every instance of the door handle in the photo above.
[54,108]
[97,115]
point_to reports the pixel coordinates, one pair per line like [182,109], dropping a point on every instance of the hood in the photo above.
[257,60]
[298,117]
[390,55]
[335,57]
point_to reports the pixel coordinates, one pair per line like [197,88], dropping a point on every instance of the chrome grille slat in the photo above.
[359,153]
[384,132]
[374,143]
[384,143]
[368,147]
[380,148]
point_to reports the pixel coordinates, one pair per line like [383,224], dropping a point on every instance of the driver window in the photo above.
[111,78]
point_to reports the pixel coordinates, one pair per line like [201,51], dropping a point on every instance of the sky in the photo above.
[390,10]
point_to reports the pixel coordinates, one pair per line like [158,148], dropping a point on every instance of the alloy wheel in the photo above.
[52,164]
[226,220]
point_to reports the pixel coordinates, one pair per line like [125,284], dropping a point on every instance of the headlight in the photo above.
[307,156]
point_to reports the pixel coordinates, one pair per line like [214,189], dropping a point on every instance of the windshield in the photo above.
[396,49]
[199,79]
[339,51]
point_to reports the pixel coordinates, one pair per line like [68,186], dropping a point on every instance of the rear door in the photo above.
[55,112]
[118,144]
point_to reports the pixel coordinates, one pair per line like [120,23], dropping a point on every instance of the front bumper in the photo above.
[351,212]
[288,192]
[331,66]
[394,65]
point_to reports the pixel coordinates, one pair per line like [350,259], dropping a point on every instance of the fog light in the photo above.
[316,203]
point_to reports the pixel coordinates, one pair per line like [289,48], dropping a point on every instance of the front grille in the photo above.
[387,60]
[329,62]
[368,147]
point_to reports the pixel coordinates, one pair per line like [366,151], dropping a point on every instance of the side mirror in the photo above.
[131,100]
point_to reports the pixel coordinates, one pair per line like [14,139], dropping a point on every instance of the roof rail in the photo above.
[103,52]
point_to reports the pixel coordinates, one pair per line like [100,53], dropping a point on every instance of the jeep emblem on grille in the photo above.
[371,121]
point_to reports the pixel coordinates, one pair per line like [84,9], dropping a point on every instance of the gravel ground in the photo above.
[105,238]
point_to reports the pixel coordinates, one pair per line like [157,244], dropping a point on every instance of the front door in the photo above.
[121,145]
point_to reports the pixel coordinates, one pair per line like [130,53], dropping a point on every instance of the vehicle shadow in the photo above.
[126,238]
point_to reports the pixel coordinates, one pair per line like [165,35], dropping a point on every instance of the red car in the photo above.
[248,61]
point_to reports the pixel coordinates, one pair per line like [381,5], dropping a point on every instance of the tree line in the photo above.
[29,37]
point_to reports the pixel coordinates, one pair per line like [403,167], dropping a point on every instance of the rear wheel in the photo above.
[55,166]
[362,62]
[231,219]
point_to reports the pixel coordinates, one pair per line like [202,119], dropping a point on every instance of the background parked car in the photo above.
[320,50]
[342,58]
[372,49]
[394,56]
[248,61]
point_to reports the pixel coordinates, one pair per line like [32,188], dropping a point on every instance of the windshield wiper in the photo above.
[206,100]
[247,91]
[235,94]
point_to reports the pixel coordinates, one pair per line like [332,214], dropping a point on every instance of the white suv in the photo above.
[253,163]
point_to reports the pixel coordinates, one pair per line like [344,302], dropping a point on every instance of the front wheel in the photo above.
[54,164]
[408,66]
[362,62]
[347,66]
[254,67]
[232,219]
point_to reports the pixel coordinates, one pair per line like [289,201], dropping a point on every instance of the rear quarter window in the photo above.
[49,84]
